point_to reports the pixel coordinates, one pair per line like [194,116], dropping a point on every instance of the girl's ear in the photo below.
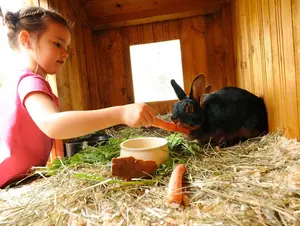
[197,88]
[25,39]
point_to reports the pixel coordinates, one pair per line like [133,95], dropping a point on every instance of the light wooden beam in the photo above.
[108,14]
[152,19]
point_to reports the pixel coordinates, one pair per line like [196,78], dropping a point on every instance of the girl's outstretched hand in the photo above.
[138,114]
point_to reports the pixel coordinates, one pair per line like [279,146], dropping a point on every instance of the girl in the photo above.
[30,118]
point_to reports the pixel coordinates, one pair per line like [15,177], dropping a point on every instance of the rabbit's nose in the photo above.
[175,121]
[174,118]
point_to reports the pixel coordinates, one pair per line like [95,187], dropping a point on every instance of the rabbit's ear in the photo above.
[178,90]
[208,89]
[198,87]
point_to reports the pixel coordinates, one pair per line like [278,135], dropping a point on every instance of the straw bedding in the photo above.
[254,183]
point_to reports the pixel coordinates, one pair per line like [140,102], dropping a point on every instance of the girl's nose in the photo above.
[65,53]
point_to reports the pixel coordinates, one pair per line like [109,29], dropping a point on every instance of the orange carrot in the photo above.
[57,151]
[175,194]
[170,126]
[185,200]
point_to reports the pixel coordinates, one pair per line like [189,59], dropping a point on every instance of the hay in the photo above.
[254,183]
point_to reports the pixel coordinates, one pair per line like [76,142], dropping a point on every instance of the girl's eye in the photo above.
[57,44]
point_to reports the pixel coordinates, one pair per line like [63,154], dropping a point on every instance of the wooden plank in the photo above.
[108,14]
[118,95]
[268,78]
[290,88]
[173,29]
[92,78]
[82,80]
[193,49]
[111,69]
[101,67]
[63,88]
[111,7]
[215,50]
[158,32]
[148,33]
[244,61]
[211,77]
[254,47]
[219,43]
[96,25]
[105,68]
[128,83]
[229,67]
[250,77]
[135,36]
[296,34]
[277,71]
[237,43]
[219,51]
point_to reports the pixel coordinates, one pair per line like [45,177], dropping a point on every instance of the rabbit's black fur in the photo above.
[223,118]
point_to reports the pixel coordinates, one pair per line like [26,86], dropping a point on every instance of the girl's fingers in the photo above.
[149,117]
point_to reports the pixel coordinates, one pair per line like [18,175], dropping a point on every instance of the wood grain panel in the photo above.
[229,69]
[219,44]
[110,70]
[111,14]
[252,8]
[193,49]
[111,7]
[267,69]
[215,48]
[277,70]
[266,34]
[296,34]
[92,79]
[288,65]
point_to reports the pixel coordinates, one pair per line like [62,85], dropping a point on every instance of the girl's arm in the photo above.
[69,124]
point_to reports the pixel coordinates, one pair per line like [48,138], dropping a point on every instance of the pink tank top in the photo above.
[22,143]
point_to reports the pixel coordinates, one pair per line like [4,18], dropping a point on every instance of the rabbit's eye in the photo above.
[189,108]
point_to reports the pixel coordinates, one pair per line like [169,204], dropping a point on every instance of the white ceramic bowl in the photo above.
[146,148]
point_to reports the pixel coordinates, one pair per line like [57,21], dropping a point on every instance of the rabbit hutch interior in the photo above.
[127,51]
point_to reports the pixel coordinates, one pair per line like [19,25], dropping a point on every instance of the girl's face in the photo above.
[51,51]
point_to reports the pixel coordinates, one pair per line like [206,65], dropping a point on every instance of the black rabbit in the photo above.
[222,118]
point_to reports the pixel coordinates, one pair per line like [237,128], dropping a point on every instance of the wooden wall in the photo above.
[206,46]
[73,83]
[267,54]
